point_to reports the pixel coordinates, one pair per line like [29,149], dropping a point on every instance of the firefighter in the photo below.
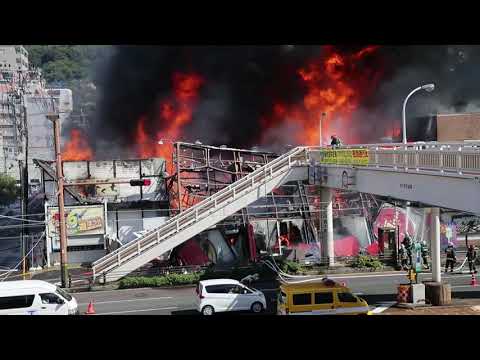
[424,251]
[451,257]
[407,242]
[471,257]
[335,141]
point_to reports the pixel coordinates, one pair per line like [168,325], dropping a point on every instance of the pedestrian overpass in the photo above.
[435,174]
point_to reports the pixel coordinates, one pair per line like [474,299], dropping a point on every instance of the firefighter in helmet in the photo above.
[335,141]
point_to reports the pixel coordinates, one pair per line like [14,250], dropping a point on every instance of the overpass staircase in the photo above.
[207,213]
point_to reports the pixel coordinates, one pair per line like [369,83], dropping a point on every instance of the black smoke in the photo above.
[242,83]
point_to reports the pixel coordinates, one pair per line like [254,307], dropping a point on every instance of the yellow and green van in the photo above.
[319,297]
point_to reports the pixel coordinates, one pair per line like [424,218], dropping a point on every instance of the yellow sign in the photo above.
[344,157]
[360,156]
[80,220]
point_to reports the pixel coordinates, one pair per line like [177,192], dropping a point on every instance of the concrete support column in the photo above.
[435,244]
[327,202]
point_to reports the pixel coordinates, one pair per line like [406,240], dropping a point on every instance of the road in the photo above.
[378,289]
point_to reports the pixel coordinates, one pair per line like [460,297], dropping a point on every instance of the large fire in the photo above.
[77,147]
[335,86]
[173,114]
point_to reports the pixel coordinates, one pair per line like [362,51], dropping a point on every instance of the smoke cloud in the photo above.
[241,84]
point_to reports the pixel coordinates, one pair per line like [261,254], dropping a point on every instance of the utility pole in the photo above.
[61,201]
[22,205]
[322,119]
[24,177]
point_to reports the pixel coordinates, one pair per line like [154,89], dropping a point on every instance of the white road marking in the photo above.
[128,300]
[382,308]
[135,311]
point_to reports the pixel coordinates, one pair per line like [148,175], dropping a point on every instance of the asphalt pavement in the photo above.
[378,289]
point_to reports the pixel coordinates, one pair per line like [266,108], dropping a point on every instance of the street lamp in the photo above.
[428,88]
[320,127]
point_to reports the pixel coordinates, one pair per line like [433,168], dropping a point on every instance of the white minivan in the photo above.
[221,295]
[35,297]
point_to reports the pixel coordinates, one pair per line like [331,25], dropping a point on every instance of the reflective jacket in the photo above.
[450,253]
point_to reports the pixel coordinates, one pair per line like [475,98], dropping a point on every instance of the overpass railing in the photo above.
[455,158]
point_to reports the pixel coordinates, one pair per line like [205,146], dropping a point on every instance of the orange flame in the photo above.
[77,148]
[173,114]
[335,86]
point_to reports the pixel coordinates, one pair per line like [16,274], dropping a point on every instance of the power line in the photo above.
[20,225]
[19,219]
[36,214]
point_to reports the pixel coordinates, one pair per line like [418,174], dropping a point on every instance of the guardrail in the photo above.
[454,158]
[200,211]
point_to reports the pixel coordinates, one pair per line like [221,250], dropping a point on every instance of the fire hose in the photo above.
[283,276]
[461,266]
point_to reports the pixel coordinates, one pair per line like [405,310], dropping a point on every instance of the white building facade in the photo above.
[24,103]
[41,142]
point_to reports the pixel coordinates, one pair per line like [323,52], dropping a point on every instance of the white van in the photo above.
[221,295]
[35,297]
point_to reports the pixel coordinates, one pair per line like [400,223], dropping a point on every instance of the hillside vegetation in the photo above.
[72,66]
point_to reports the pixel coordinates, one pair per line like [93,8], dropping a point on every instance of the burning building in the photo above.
[104,211]
[284,222]
[263,97]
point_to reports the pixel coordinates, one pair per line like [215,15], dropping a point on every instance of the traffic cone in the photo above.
[90,309]
[473,282]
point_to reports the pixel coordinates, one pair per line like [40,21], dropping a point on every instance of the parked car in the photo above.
[221,295]
[35,297]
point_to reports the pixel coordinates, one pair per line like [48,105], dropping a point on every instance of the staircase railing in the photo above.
[295,157]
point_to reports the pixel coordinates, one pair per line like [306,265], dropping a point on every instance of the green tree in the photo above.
[9,191]
[76,67]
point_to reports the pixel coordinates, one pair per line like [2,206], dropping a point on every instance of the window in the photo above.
[16,302]
[236,290]
[302,299]
[346,297]
[50,298]
[65,294]
[324,298]
[219,289]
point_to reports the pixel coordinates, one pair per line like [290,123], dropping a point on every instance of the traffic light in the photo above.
[141,182]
